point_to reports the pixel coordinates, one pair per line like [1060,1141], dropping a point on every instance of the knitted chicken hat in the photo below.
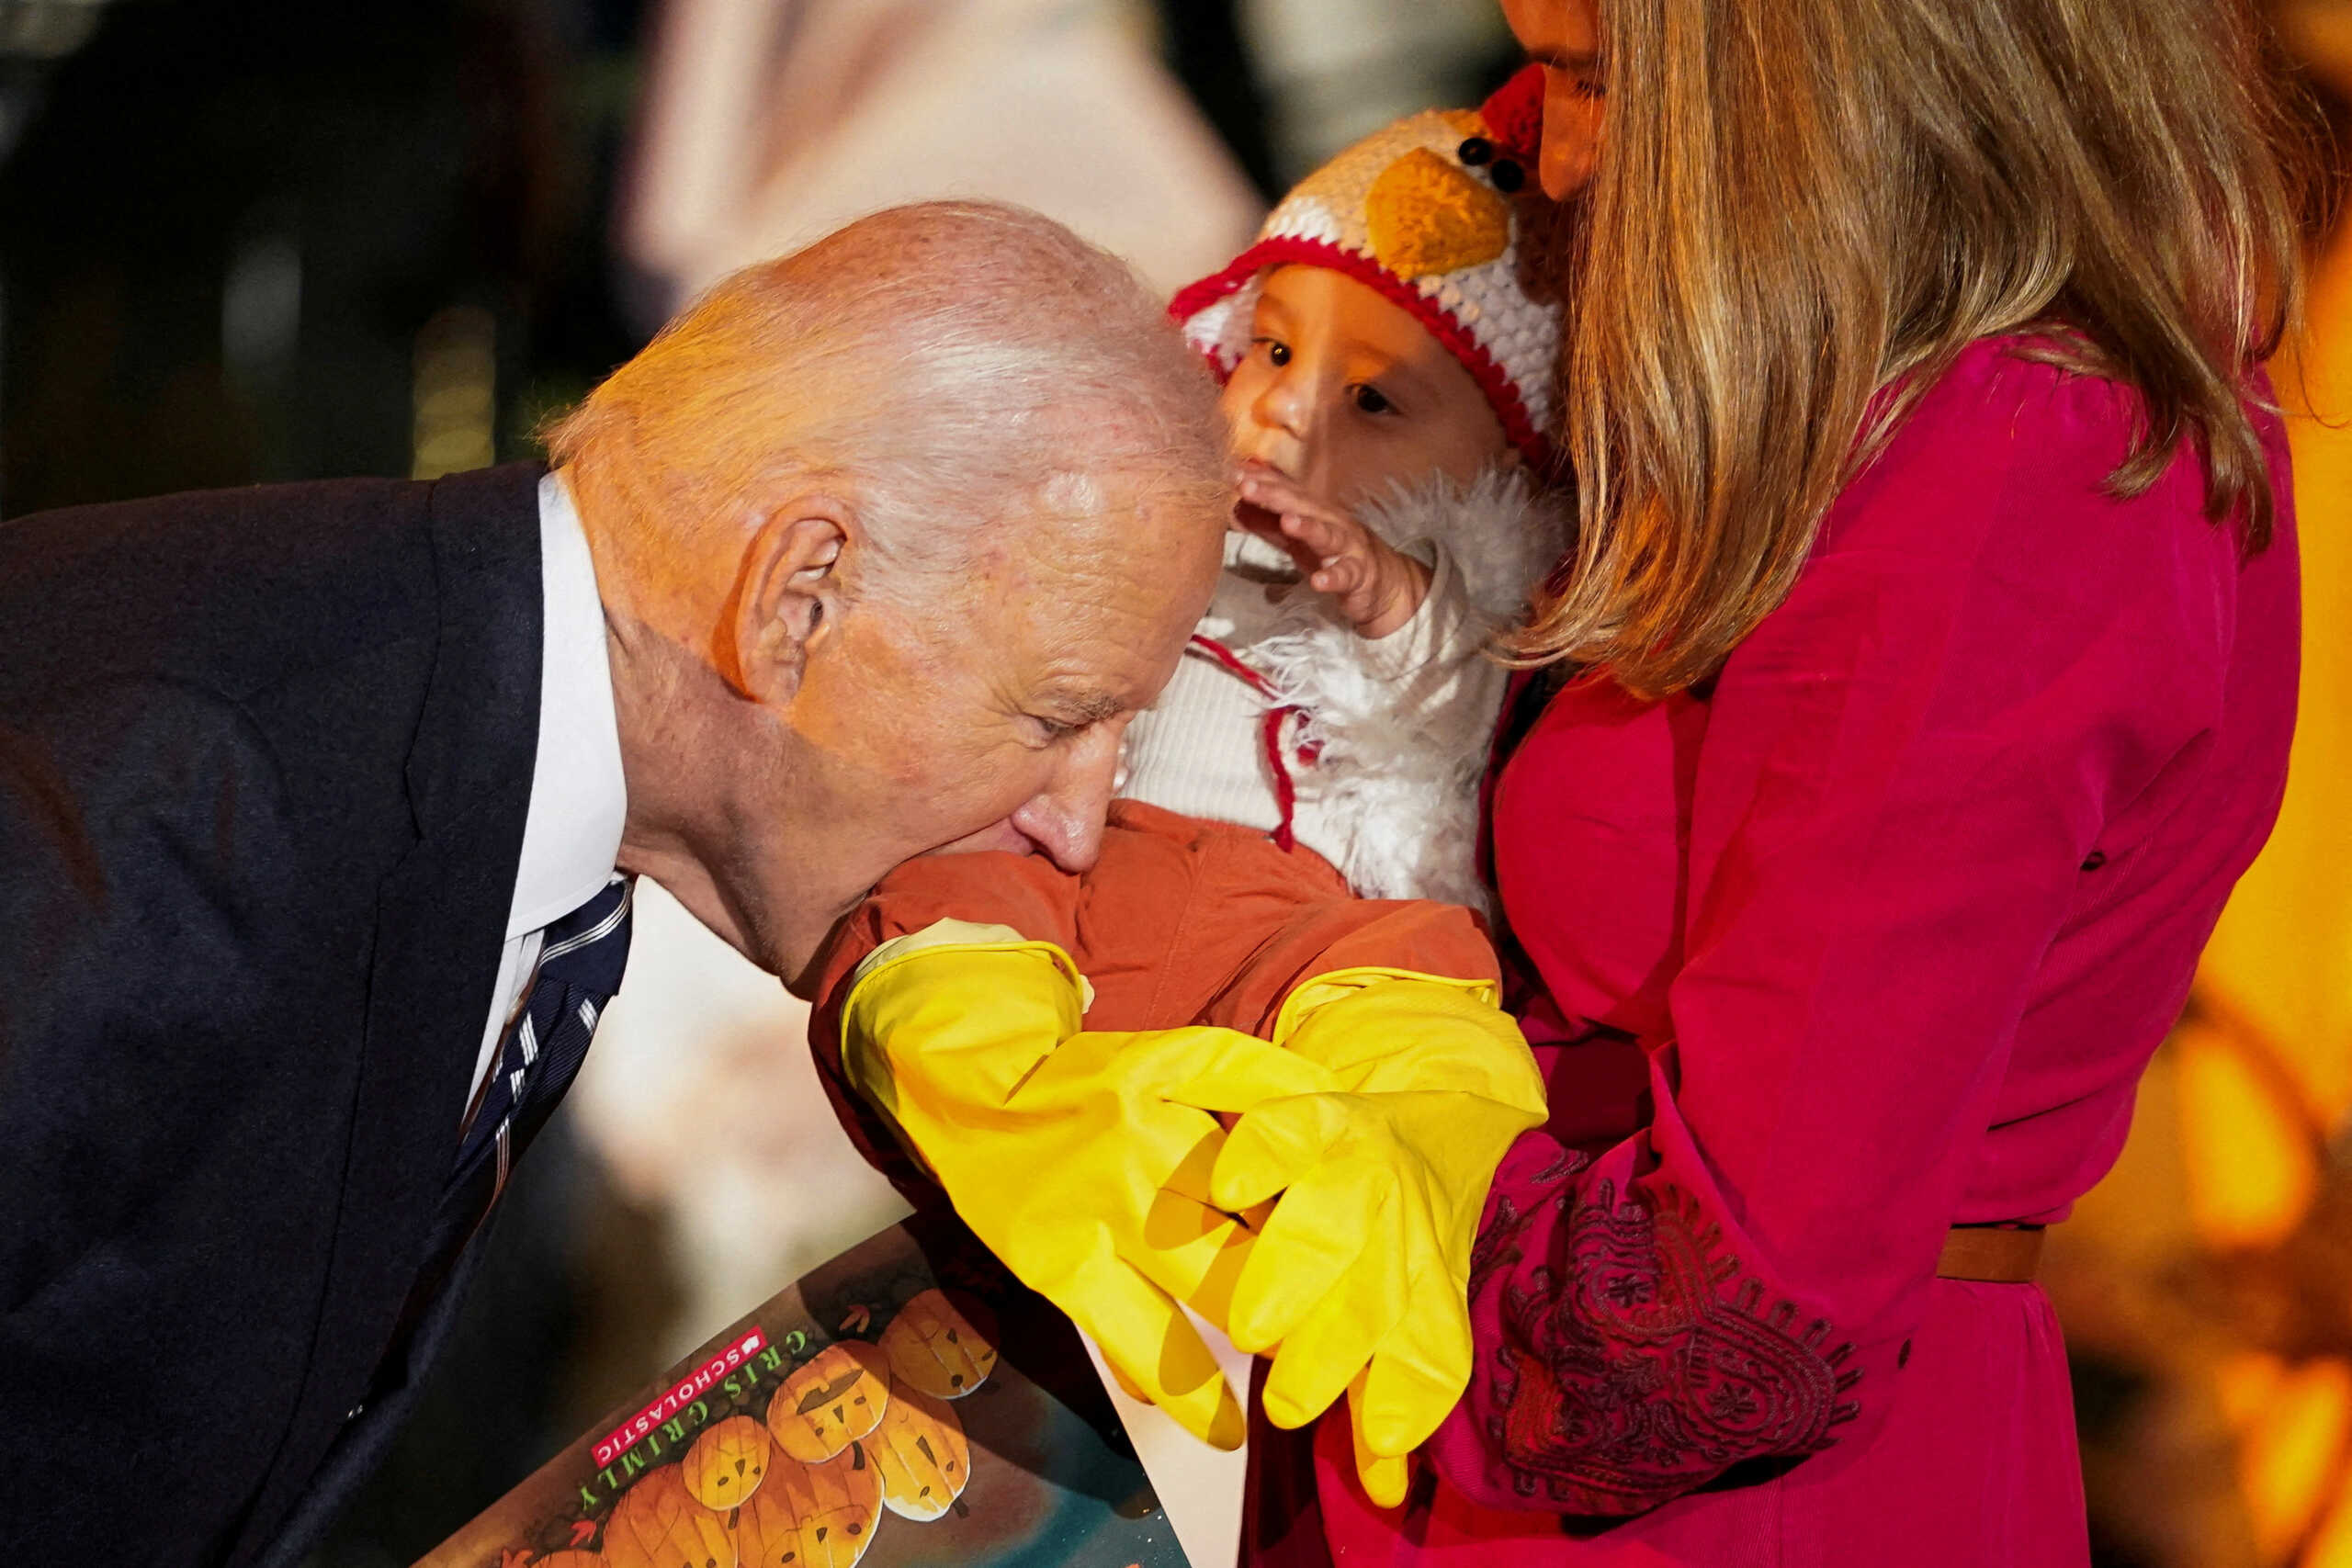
[1432,212]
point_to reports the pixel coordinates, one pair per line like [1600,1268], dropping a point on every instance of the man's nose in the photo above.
[1065,819]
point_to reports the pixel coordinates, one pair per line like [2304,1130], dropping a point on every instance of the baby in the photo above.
[1294,846]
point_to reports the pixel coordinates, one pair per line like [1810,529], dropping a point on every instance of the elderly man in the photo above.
[320,804]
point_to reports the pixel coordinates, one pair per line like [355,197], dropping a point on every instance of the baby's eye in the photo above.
[1277,351]
[1370,400]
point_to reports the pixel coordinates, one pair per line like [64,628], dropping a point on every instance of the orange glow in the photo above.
[2331,1547]
[2282,957]
[2293,1452]
[2245,1146]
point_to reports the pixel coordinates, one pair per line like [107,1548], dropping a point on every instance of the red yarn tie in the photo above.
[1270,730]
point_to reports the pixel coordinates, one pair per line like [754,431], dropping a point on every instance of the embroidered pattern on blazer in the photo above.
[1646,1366]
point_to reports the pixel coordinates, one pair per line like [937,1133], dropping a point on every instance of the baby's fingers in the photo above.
[1263,487]
[1324,534]
[1340,575]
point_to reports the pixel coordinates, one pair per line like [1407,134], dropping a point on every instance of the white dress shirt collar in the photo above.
[579,798]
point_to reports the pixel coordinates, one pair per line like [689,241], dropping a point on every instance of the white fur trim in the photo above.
[1394,789]
[1501,531]
[1402,723]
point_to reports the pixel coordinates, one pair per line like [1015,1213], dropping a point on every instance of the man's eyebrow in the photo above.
[1086,706]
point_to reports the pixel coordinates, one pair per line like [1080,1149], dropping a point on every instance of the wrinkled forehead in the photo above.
[1115,581]
[1118,525]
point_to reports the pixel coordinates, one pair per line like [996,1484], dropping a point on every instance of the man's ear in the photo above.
[789,594]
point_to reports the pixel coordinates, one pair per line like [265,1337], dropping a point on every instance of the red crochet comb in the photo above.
[1514,115]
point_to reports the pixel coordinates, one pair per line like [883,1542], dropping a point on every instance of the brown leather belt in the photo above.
[1993,1255]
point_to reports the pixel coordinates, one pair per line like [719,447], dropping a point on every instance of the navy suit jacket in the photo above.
[264,759]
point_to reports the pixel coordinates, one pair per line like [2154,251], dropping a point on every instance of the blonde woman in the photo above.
[1918,684]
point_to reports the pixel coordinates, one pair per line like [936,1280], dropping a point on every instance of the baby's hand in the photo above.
[1377,586]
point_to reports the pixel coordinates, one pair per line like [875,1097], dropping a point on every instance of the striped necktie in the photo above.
[581,959]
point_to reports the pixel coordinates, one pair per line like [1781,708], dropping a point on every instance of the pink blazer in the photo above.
[1870,939]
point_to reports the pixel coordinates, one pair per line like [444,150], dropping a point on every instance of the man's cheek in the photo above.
[989,789]
[895,739]
[953,797]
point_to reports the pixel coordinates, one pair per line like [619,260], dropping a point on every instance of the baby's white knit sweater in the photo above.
[1391,736]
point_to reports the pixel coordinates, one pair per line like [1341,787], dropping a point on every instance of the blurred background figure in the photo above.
[252,239]
[766,123]
[1337,70]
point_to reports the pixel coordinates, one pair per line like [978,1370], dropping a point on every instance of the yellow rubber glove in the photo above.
[1359,1280]
[1076,1158]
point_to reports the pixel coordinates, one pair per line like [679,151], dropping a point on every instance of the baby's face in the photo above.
[1343,391]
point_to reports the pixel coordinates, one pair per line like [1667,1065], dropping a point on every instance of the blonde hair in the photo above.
[1802,206]
[948,360]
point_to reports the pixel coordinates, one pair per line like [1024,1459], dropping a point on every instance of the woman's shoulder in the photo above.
[2020,390]
[1997,500]
[2019,432]
[2041,389]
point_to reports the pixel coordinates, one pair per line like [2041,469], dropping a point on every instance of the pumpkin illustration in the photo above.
[833,1508]
[920,1449]
[657,1524]
[830,1401]
[767,1528]
[570,1557]
[727,1461]
[934,1347]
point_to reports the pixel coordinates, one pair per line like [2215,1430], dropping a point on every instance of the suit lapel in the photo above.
[440,924]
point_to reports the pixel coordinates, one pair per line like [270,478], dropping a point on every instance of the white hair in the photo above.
[951,362]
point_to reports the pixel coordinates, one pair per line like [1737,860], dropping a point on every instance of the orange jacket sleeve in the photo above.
[1180,921]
